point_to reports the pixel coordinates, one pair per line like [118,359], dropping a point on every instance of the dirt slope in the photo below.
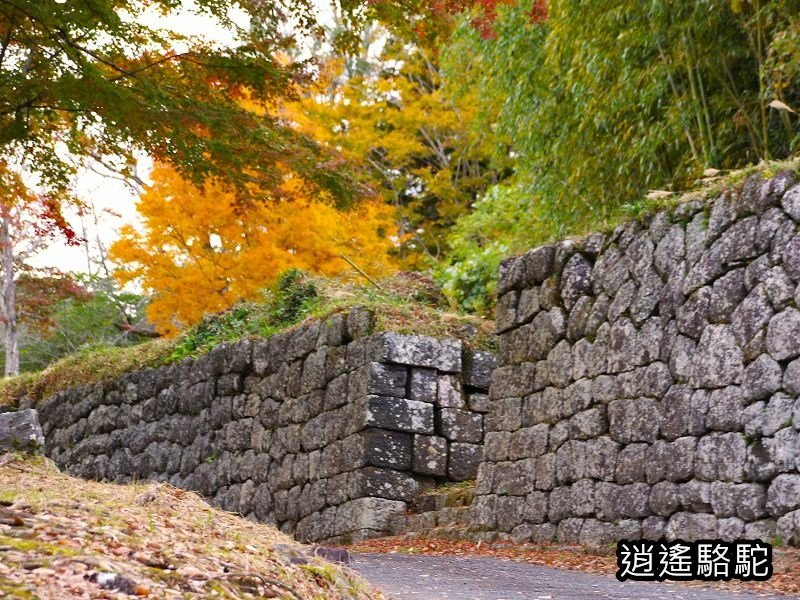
[62,537]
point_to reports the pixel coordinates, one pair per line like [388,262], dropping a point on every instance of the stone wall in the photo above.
[649,379]
[328,430]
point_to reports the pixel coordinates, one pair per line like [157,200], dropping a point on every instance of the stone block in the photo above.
[460,425]
[718,361]
[389,449]
[725,406]
[505,312]
[721,457]
[632,464]
[691,527]
[601,458]
[513,381]
[528,442]
[387,380]
[463,460]
[509,512]
[423,385]
[634,420]
[417,351]
[730,529]
[385,483]
[478,370]
[506,415]
[479,403]
[528,305]
[430,455]
[569,531]
[450,392]
[399,414]
[783,495]
[788,528]
[367,513]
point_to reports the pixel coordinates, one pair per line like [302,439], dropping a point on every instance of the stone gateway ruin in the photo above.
[647,385]
[327,430]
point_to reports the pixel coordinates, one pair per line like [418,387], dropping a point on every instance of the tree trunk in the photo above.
[9,289]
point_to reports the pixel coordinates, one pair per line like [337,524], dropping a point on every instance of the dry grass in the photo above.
[58,534]
[84,367]
[405,303]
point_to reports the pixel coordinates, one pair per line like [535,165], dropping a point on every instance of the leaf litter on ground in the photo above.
[62,537]
[598,561]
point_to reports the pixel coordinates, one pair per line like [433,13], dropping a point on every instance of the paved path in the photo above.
[403,577]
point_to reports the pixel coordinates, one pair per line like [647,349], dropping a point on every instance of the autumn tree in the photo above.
[60,314]
[104,80]
[200,251]
[28,222]
[387,106]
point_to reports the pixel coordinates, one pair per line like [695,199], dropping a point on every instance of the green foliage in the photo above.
[89,320]
[479,242]
[604,101]
[95,79]
[295,294]
[291,299]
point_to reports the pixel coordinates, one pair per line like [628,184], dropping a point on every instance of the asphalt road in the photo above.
[402,576]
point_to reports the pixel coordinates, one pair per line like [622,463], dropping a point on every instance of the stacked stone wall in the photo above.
[328,430]
[649,379]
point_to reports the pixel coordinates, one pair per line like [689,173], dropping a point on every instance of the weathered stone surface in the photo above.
[762,378]
[423,385]
[751,315]
[791,380]
[559,364]
[783,334]
[791,203]
[634,420]
[387,380]
[460,425]
[783,494]
[632,464]
[575,280]
[718,361]
[691,527]
[505,312]
[579,318]
[430,455]
[721,457]
[450,392]
[526,443]
[417,351]
[726,294]
[20,431]
[399,414]
[479,403]
[777,414]
[725,406]
[665,498]
[478,370]
[791,257]
[464,460]
[601,458]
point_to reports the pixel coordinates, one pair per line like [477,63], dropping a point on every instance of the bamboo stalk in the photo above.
[357,268]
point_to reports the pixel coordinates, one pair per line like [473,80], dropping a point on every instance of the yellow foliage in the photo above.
[199,251]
